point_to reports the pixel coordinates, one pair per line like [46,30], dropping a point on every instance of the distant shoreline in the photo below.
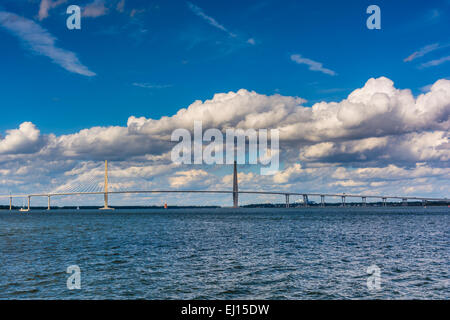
[249,206]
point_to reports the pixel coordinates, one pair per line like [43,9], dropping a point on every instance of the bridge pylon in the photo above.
[106,207]
[235,187]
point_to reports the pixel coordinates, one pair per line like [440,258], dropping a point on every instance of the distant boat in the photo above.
[78,208]
[23,209]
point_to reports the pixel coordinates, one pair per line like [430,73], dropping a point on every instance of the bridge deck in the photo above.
[371,196]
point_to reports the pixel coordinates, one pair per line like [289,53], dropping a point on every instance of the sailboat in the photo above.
[23,209]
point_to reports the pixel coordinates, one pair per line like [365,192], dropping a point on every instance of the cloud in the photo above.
[411,147]
[375,110]
[151,86]
[188,178]
[26,139]
[41,42]
[348,183]
[46,5]
[251,41]
[422,51]
[286,175]
[199,12]
[374,122]
[433,15]
[120,6]
[426,88]
[313,65]
[104,142]
[380,139]
[434,63]
[243,178]
[241,109]
[95,9]
[391,172]
[332,90]
[136,11]
[142,171]
[318,150]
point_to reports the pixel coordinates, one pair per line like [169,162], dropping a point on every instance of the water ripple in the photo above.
[222,254]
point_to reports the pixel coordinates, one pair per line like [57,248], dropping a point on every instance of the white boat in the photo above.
[23,209]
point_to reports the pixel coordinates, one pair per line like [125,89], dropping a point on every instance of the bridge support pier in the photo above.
[48,203]
[287,201]
[364,201]
[405,202]
[305,200]
[322,201]
[384,202]
[343,201]
[106,207]
[10,203]
[29,202]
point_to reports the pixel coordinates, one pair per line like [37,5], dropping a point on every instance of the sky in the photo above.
[358,110]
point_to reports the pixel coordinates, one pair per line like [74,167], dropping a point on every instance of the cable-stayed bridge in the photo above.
[93,187]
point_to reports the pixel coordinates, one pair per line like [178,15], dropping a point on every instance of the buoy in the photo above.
[165,205]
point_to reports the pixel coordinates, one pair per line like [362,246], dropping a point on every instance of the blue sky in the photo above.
[312,69]
[182,57]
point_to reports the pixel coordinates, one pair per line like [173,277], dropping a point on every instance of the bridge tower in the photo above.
[105,207]
[235,187]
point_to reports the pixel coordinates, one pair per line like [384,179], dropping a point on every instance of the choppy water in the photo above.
[227,254]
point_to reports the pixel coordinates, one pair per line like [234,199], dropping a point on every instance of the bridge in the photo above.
[235,192]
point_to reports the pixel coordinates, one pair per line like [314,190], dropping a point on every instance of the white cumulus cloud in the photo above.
[26,139]
[379,139]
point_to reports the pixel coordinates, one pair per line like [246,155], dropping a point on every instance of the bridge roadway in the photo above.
[343,196]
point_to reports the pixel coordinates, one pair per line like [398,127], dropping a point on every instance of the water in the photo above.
[226,254]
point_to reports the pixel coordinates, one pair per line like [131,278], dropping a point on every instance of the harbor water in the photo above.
[302,253]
